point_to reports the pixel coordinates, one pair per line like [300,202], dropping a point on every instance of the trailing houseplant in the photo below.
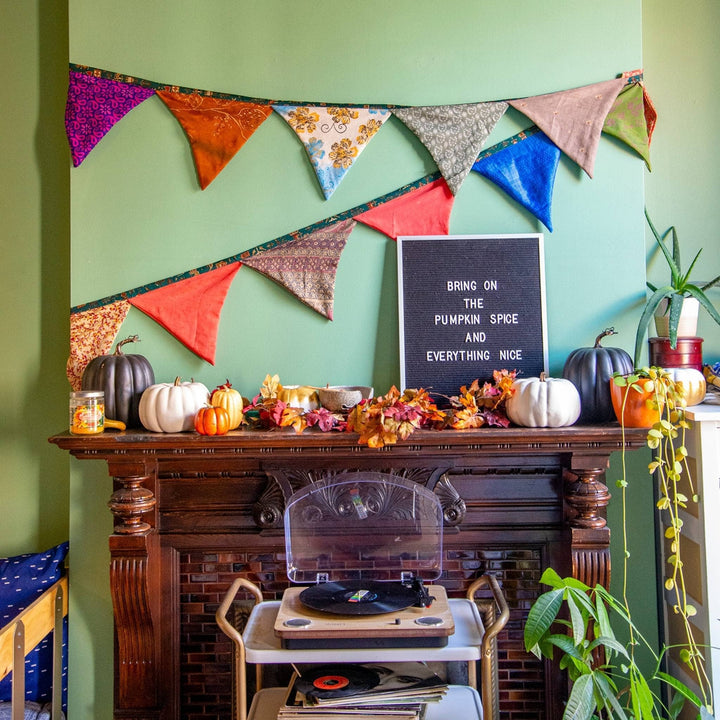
[607,681]
[675,291]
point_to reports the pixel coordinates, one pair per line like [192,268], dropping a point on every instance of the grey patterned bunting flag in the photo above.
[453,134]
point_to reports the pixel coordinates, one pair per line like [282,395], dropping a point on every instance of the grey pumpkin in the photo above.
[123,378]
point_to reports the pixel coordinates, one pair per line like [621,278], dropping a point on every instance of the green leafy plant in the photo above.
[578,621]
[679,287]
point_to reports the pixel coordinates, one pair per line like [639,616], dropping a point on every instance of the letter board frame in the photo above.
[468,305]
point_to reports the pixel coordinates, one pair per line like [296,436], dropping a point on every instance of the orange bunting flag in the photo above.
[573,119]
[190,309]
[306,267]
[92,333]
[424,211]
[216,128]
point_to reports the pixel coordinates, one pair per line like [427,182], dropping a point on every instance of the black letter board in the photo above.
[470,304]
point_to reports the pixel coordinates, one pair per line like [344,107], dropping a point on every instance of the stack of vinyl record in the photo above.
[400,691]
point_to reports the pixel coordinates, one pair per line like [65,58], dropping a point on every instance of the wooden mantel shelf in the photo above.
[179,493]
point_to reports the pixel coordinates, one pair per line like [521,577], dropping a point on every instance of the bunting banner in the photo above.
[94,104]
[423,211]
[333,137]
[218,124]
[307,266]
[573,119]
[453,134]
[190,309]
[92,333]
[524,167]
[305,261]
[216,128]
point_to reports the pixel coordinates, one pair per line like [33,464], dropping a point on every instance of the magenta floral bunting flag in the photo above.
[573,119]
[333,137]
[423,211]
[92,333]
[453,134]
[215,127]
[525,169]
[190,309]
[627,122]
[94,105]
[307,266]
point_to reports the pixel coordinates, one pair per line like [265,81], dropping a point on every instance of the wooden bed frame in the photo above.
[23,633]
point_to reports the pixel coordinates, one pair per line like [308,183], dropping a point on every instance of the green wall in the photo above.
[138,215]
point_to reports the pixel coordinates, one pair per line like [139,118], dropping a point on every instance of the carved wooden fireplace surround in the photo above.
[534,494]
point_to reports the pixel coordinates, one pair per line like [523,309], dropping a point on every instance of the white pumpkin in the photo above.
[692,382]
[543,402]
[171,407]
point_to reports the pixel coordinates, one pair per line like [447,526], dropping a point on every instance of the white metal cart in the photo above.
[338,511]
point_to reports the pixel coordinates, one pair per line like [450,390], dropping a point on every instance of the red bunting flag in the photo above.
[424,211]
[216,128]
[190,309]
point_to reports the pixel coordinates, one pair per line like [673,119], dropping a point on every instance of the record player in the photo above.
[361,548]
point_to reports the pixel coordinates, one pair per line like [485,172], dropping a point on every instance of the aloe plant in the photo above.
[679,287]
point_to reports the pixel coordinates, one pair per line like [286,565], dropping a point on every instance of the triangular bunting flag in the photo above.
[525,170]
[94,105]
[424,211]
[307,266]
[648,107]
[190,309]
[453,134]
[626,121]
[92,333]
[573,119]
[333,136]
[216,128]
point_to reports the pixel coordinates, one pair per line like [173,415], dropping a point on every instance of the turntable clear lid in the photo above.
[363,525]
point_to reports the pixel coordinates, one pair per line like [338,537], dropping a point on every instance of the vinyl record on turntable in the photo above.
[334,681]
[358,597]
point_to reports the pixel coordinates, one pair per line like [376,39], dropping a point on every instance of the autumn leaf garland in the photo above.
[391,417]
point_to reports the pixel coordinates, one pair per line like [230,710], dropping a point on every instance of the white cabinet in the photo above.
[258,644]
[701,542]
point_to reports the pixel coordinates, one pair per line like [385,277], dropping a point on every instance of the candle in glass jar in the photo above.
[87,412]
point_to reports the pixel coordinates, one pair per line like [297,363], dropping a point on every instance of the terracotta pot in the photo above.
[639,407]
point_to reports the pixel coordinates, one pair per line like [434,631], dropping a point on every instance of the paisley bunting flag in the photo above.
[94,104]
[627,122]
[92,333]
[333,137]
[525,169]
[216,128]
[307,267]
[573,119]
[453,134]
[190,309]
[423,211]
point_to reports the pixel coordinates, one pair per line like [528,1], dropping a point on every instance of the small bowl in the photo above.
[337,398]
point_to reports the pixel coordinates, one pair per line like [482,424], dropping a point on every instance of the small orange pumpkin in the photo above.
[212,420]
[640,409]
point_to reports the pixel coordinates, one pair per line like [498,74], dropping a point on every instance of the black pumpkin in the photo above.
[123,378]
[590,370]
